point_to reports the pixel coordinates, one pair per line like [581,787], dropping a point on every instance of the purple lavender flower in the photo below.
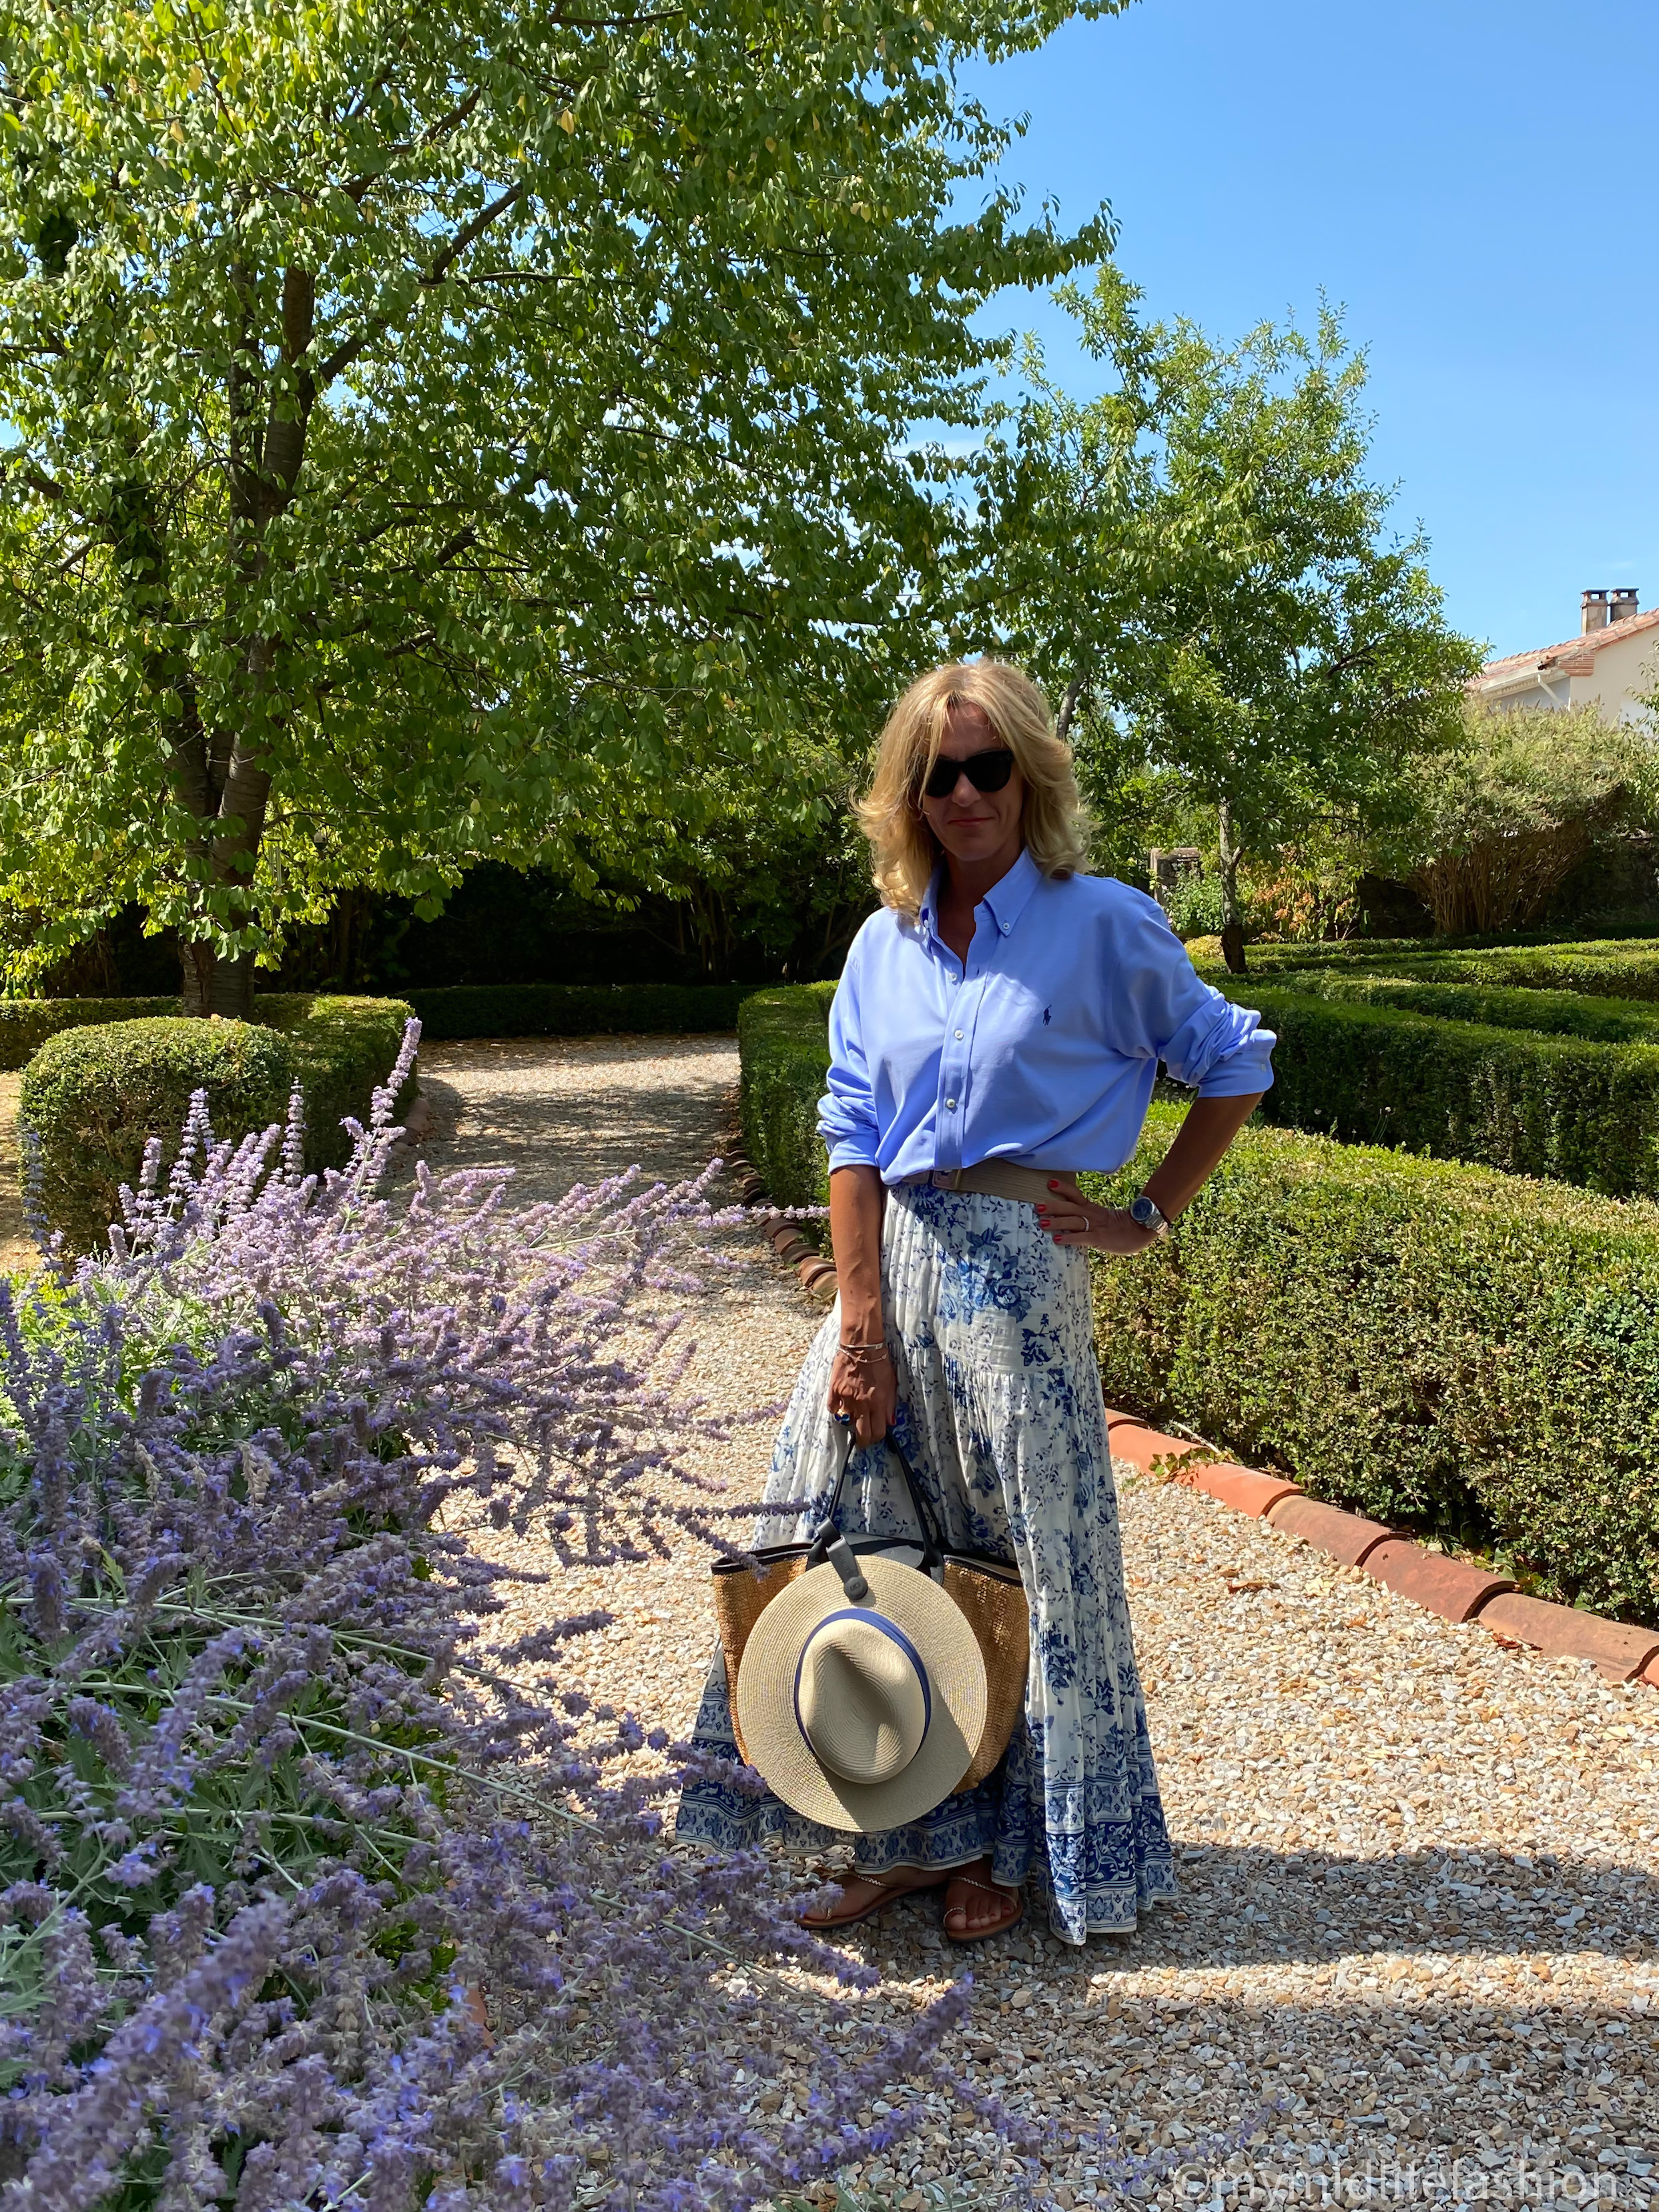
[305,1897]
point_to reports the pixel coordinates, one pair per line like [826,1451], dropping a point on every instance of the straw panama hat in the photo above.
[865,1716]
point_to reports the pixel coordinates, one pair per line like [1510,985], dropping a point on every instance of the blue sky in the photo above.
[1474,181]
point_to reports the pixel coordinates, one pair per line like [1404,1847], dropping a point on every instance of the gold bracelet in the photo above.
[862,1347]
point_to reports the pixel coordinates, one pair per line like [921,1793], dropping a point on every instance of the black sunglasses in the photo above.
[986,771]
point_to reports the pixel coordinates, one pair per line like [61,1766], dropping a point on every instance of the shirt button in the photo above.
[958,1034]
[951,1104]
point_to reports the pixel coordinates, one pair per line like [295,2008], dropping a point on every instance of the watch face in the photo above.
[1141,1210]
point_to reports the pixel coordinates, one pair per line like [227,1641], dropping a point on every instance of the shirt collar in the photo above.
[1009,897]
[1007,900]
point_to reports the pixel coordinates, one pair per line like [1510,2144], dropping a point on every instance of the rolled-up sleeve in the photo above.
[847,1111]
[1162,1008]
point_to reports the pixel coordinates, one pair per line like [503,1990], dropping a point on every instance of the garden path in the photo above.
[18,1252]
[1420,1871]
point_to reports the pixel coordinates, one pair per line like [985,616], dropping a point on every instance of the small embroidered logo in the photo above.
[1047,1015]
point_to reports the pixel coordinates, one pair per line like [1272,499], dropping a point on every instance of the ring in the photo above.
[845,1419]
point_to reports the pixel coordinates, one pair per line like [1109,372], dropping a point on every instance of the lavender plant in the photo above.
[308,1894]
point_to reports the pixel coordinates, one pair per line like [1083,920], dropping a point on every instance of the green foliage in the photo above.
[1533,1104]
[784,1047]
[340,1049]
[1611,968]
[1616,968]
[1195,905]
[93,1096]
[1199,562]
[465,1010]
[26,1024]
[1495,823]
[1553,1013]
[466,431]
[1423,1342]
[1470,1352]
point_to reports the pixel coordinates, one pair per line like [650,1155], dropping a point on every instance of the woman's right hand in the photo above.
[864,1389]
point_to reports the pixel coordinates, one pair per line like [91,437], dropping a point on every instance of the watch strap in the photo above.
[1149,1214]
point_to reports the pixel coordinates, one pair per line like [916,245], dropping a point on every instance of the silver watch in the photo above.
[1146,1213]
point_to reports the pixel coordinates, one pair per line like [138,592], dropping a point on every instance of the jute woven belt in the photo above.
[997,1179]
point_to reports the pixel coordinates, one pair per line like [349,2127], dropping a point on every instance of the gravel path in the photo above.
[18,1252]
[1420,1871]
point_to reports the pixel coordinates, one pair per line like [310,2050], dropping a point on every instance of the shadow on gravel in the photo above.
[1239,1902]
[562,1111]
[1380,2078]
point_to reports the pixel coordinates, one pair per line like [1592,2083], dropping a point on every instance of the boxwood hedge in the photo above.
[1567,1107]
[1427,1342]
[1614,968]
[784,1050]
[1610,968]
[1457,1350]
[1553,1013]
[93,1095]
[1532,964]
[26,1024]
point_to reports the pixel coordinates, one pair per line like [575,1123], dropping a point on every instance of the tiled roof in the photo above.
[1573,648]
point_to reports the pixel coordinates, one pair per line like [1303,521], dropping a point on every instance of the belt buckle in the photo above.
[947,1178]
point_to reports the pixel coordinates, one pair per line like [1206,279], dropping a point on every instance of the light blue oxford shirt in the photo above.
[1043,1050]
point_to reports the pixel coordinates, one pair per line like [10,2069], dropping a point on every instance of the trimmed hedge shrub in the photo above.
[1274,959]
[1442,1345]
[1427,1342]
[486,1010]
[94,1095]
[26,1024]
[1613,970]
[783,1047]
[1568,1107]
[1553,1013]
[341,1048]
[1535,964]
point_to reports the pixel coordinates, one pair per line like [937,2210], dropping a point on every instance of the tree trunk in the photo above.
[213,985]
[1232,911]
[228,775]
[233,988]
[1067,710]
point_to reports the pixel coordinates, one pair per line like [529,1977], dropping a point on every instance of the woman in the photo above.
[998,1027]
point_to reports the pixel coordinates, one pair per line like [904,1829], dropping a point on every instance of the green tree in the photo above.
[1498,821]
[436,431]
[1199,565]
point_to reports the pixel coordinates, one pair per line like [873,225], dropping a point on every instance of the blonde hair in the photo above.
[904,850]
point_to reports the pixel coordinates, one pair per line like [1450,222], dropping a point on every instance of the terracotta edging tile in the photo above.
[1452,1588]
[1241,1487]
[1622,1653]
[1348,1537]
[1129,1439]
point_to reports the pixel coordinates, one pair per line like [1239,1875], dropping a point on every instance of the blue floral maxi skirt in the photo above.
[1002,1418]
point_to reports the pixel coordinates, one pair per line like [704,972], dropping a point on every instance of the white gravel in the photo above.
[1420,1871]
[18,1252]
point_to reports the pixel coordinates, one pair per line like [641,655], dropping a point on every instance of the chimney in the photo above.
[1594,611]
[1622,606]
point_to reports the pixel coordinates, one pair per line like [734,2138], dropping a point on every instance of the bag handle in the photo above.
[933,1550]
[829,1545]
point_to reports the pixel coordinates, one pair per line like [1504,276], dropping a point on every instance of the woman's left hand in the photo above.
[1068,1217]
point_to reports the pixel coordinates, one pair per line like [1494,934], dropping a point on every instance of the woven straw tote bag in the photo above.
[989,1594]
